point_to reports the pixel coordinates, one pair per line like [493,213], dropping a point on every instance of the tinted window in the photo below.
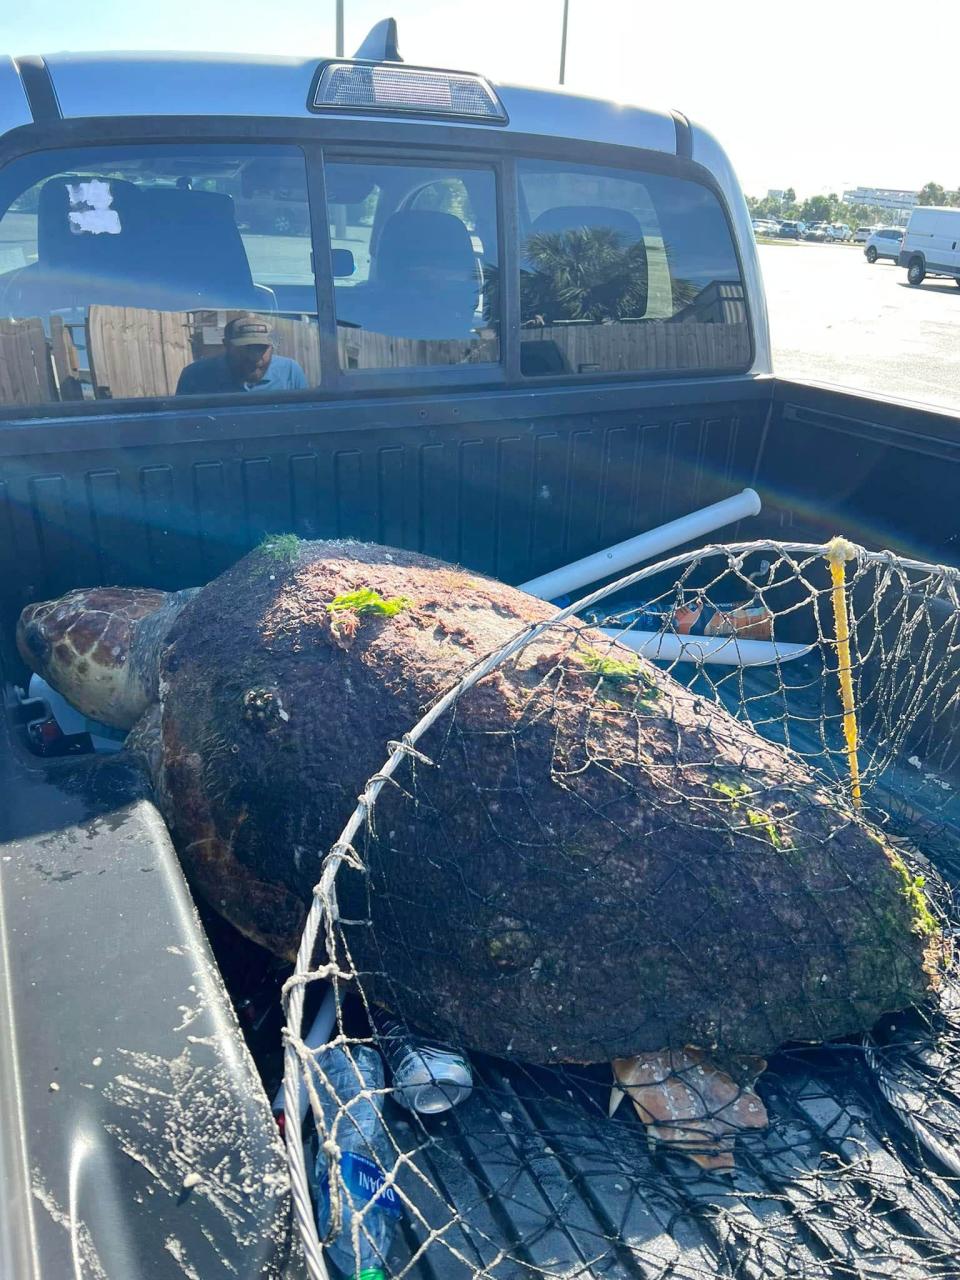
[415,264]
[120,270]
[622,271]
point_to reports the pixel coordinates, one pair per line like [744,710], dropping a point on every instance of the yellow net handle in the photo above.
[839,551]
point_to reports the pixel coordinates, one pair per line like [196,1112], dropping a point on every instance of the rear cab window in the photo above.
[200,269]
[623,272]
[415,264]
[126,267]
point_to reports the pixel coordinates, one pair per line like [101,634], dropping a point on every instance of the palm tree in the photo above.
[585,273]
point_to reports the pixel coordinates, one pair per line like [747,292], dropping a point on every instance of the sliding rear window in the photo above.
[415,264]
[625,272]
[125,272]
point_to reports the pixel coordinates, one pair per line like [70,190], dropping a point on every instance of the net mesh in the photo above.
[623,861]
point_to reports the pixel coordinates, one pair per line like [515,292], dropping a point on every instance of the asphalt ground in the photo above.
[834,318]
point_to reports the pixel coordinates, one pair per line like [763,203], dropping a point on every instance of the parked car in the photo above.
[272,214]
[765,227]
[931,244]
[791,230]
[884,243]
[863,234]
[839,232]
[817,231]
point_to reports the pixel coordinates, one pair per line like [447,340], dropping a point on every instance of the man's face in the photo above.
[249,364]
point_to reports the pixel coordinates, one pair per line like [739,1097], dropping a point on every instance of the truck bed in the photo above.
[103,957]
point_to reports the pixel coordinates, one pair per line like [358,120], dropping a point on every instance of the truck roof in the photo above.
[179,84]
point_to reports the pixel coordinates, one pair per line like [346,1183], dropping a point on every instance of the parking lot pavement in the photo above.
[834,318]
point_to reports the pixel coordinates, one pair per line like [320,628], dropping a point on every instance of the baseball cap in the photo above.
[248,331]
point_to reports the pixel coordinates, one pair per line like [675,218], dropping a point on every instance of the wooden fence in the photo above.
[134,352]
[362,349]
[653,344]
[26,369]
[576,348]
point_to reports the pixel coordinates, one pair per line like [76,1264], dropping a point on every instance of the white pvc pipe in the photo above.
[318,1035]
[730,651]
[622,556]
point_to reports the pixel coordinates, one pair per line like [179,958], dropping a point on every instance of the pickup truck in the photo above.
[436,383]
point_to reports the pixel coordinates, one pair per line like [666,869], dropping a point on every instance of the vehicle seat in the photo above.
[74,269]
[197,253]
[541,357]
[176,250]
[425,283]
[569,217]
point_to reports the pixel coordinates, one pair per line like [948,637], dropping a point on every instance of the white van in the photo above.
[931,244]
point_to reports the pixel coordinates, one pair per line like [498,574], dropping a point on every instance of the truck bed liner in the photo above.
[525,1180]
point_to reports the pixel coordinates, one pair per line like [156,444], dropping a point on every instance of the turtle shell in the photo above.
[592,868]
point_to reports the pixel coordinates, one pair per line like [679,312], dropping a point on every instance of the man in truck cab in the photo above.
[248,363]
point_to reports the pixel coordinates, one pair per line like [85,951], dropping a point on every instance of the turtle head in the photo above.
[87,645]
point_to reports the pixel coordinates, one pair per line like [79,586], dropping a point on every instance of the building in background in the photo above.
[894,203]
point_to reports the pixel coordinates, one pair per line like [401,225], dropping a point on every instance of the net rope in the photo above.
[856,1171]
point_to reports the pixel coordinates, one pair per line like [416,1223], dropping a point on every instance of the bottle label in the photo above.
[364,1179]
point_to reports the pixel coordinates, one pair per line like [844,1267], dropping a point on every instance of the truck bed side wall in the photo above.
[506,484]
[881,473]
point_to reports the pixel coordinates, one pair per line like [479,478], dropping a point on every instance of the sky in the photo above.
[820,97]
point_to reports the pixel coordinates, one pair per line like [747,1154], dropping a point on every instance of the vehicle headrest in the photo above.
[570,217]
[61,239]
[196,243]
[417,238]
[167,248]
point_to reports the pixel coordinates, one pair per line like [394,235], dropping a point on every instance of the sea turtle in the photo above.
[599,863]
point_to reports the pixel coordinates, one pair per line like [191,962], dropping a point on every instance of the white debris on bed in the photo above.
[176,1250]
[81,1239]
[178,1118]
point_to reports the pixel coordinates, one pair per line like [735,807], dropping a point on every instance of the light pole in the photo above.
[339,28]
[563,42]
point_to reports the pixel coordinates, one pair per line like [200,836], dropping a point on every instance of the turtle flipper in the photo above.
[268,914]
[689,1105]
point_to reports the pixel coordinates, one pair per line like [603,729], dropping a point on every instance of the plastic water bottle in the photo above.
[366,1152]
[427,1078]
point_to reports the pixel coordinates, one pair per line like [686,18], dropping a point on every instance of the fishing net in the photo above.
[679,768]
